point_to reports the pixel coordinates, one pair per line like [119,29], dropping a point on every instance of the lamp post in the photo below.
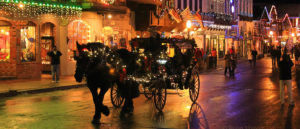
[188,25]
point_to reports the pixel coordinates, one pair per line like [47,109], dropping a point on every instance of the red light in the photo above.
[85,49]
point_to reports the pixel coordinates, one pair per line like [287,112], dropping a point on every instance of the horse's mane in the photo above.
[128,58]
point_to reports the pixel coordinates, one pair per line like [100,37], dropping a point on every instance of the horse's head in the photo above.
[82,59]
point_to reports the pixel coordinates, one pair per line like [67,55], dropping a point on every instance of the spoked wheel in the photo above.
[194,87]
[197,118]
[160,95]
[147,92]
[115,96]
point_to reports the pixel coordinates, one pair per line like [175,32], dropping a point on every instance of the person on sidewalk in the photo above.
[233,64]
[297,52]
[273,55]
[250,57]
[214,56]
[278,55]
[254,54]
[227,63]
[55,61]
[285,70]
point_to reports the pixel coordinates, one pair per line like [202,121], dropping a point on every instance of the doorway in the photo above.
[47,42]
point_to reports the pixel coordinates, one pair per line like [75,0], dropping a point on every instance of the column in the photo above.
[61,43]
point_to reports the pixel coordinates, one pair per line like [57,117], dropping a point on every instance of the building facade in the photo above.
[30,29]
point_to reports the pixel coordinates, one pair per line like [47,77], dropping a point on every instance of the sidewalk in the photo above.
[221,65]
[20,86]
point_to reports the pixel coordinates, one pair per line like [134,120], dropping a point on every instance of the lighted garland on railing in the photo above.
[25,9]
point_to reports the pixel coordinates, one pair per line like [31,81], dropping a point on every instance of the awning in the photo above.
[171,25]
[102,9]
[155,2]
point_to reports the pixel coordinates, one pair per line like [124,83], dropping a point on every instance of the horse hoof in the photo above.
[96,121]
[105,110]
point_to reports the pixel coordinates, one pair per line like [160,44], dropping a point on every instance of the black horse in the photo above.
[91,63]
[102,68]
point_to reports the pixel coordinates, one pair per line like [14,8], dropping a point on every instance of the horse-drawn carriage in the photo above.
[157,64]
[163,64]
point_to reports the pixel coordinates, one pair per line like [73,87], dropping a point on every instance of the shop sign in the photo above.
[220,27]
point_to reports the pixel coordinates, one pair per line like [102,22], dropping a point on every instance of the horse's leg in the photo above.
[125,106]
[130,105]
[104,109]
[97,115]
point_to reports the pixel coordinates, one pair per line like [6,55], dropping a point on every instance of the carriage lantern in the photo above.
[162,59]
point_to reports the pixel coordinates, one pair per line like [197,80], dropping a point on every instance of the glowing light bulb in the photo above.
[21,5]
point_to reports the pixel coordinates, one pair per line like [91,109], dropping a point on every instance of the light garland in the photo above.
[25,9]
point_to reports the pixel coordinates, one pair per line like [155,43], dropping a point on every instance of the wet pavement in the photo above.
[250,101]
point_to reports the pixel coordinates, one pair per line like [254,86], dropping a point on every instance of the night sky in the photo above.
[283,6]
[276,1]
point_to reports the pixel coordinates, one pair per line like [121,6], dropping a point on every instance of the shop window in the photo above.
[78,31]
[4,43]
[28,43]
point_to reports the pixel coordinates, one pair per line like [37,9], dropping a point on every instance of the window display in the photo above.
[77,31]
[4,43]
[28,44]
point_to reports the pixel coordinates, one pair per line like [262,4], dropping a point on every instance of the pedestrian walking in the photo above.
[285,50]
[254,54]
[55,61]
[297,52]
[214,56]
[198,57]
[285,69]
[278,55]
[273,55]
[249,54]
[227,59]
[205,58]
[233,64]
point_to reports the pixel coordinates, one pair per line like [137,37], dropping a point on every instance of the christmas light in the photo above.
[21,5]
[25,9]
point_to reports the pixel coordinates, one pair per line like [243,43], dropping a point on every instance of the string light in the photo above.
[25,9]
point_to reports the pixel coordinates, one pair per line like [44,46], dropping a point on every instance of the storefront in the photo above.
[19,49]
[27,36]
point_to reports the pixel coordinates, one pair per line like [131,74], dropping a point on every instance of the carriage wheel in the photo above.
[194,87]
[197,118]
[160,95]
[147,92]
[115,96]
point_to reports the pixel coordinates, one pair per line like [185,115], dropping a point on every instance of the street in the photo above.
[250,100]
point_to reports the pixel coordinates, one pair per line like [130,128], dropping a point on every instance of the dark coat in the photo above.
[55,58]
[278,53]
[285,68]
[254,54]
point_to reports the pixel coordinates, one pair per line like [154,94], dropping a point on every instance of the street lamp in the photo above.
[271,36]
[293,35]
[271,33]
[188,25]
[109,16]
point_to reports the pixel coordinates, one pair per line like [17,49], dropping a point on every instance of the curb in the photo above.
[12,93]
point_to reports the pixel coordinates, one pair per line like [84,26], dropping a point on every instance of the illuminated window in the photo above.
[28,43]
[77,31]
[4,43]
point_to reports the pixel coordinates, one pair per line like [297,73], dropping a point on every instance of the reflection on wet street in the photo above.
[250,100]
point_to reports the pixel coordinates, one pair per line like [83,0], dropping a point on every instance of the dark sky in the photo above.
[277,1]
[292,7]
